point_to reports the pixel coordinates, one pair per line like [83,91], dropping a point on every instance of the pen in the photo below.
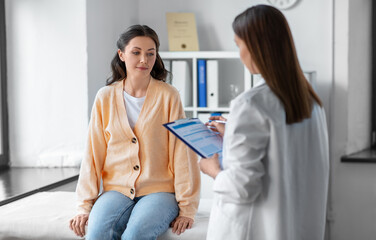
[218,121]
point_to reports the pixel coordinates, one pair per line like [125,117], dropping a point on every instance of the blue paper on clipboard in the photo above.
[197,136]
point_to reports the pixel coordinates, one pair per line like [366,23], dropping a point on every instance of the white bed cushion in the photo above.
[45,215]
[199,228]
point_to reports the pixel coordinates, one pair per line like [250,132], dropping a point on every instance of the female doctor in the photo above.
[274,182]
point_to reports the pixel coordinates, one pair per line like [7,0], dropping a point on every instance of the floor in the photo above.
[16,183]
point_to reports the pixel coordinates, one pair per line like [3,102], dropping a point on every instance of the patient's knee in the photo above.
[139,233]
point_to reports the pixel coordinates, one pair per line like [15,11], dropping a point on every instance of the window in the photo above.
[4,144]
[368,155]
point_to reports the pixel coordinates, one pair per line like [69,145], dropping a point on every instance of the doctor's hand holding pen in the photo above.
[217,124]
[211,166]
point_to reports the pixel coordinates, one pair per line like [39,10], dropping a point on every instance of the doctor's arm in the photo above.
[210,166]
[246,140]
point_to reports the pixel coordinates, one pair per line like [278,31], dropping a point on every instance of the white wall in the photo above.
[105,22]
[342,63]
[353,189]
[310,22]
[47,81]
[332,38]
[59,54]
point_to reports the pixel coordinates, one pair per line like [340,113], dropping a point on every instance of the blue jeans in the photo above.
[115,216]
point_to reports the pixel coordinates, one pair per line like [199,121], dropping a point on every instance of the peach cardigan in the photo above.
[141,161]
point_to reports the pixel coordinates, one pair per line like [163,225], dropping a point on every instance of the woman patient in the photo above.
[150,178]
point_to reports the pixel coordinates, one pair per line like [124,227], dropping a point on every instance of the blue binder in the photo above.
[201,82]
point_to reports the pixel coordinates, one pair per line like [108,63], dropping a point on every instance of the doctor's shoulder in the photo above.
[258,94]
[261,98]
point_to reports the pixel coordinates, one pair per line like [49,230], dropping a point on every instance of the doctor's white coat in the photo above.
[274,185]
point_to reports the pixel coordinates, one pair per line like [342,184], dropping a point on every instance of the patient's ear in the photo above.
[121,55]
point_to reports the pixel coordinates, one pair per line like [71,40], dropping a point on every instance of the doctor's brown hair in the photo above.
[119,70]
[267,35]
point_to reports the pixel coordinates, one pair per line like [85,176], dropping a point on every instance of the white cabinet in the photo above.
[233,78]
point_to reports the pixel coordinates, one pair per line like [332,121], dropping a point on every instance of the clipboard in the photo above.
[196,135]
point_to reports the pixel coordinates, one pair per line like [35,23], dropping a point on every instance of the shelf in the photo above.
[207,109]
[365,156]
[199,54]
[232,78]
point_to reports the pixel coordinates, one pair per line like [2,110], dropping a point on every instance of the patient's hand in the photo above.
[180,224]
[78,223]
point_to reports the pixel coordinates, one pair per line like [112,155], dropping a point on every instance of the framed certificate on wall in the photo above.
[182,32]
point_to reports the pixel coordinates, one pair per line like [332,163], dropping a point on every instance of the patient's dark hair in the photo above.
[119,71]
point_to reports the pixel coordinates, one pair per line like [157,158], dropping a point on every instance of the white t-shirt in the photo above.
[133,106]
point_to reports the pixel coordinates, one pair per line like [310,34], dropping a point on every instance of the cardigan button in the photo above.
[136,167]
[131,191]
[134,140]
